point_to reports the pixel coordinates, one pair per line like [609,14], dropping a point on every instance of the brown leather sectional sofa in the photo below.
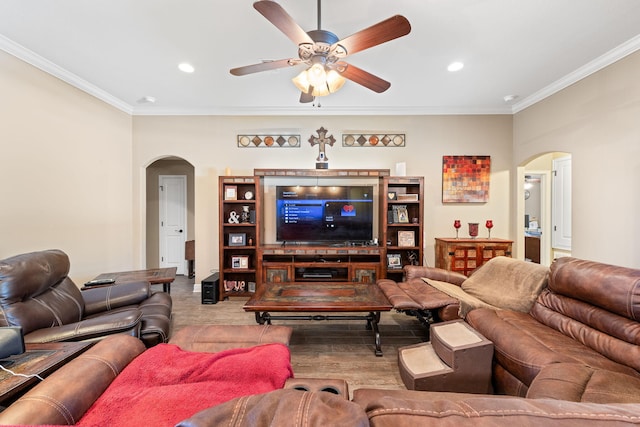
[572,360]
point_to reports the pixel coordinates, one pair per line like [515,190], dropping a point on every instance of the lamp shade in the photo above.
[319,80]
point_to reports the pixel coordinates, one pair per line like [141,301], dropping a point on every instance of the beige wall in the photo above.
[597,121]
[74,169]
[65,171]
[209,143]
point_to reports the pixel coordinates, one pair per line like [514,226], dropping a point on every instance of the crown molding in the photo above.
[321,111]
[49,67]
[592,67]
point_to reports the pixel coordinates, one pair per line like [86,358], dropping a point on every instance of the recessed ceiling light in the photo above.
[147,100]
[455,66]
[187,68]
[510,98]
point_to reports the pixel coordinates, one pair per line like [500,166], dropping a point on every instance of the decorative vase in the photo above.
[245,215]
[473,229]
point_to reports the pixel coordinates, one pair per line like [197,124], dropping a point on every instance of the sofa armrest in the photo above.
[214,338]
[418,271]
[64,396]
[95,328]
[410,407]
[105,298]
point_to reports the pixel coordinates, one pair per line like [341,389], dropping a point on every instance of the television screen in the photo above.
[341,213]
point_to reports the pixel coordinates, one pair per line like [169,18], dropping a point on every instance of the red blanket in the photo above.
[165,384]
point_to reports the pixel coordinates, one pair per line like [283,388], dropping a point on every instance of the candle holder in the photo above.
[457,224]
[489,225]
[473,229]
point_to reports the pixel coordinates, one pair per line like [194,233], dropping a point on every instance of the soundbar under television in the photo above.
[331,214]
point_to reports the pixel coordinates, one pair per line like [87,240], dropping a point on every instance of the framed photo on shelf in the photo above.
[406,238]
[251,286]
[400,214]
[240,261]
[237,239]
[394,261]
[231,192]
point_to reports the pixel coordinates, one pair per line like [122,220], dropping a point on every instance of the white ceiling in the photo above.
[124,50]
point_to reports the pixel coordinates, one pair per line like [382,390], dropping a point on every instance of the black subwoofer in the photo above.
[210,287]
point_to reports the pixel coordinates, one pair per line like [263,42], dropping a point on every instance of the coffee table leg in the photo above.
[372,323]
[263,318]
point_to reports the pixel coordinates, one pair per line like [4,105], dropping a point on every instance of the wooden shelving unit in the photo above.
[402,217]
[239,234]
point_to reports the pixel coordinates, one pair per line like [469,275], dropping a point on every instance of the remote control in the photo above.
[98,282]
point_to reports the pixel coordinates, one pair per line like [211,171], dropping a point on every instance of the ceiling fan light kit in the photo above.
[322,52]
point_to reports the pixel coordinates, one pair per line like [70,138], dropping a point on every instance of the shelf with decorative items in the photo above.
[239,231]
[402,213]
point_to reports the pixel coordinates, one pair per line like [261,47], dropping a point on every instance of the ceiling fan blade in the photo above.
[281,19]
[305,98]
[384,31]
[263,66]
[364,78]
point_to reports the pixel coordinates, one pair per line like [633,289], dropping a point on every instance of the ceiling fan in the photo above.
[323,52]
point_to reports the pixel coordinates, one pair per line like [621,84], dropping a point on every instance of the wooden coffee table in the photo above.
[154,276]
[320,298]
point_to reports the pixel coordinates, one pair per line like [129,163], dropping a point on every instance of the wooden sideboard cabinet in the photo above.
[465,255]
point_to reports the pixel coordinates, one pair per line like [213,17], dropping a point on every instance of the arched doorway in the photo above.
[157,250]
[544,208]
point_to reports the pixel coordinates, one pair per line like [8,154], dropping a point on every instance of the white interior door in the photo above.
[173,221]
[561,210]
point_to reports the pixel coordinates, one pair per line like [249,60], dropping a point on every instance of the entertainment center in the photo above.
[296,226]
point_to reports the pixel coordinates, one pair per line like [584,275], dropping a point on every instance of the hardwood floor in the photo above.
[319,349]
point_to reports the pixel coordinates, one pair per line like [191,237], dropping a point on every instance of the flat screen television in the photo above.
[331,214]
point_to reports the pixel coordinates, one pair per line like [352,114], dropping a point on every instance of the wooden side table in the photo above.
[155,276]
[38,359]
[465,255]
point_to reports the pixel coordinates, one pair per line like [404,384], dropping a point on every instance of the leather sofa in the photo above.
[63,397]
[587,316]
[37,294]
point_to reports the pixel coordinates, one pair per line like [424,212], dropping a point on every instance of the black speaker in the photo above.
[210,288]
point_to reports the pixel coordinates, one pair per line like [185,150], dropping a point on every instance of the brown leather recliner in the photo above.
[37,294]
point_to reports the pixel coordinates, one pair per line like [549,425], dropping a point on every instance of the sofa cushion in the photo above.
[177,383]
[507,283]
[612,288]
[615,337]
[523,345]
[581,383]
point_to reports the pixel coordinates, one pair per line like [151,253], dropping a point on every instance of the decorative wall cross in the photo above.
[322,140]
